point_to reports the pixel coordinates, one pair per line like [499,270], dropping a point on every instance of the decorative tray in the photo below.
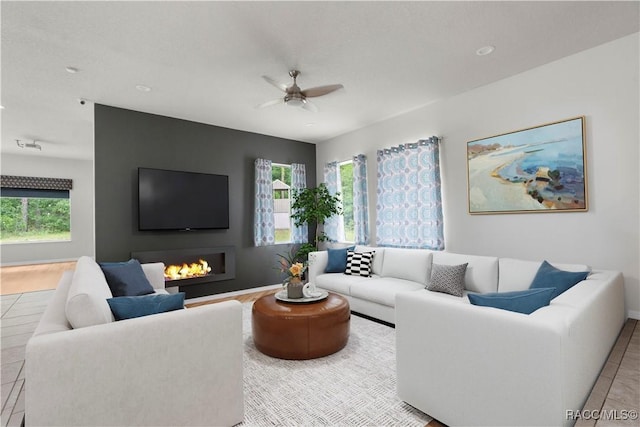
[282,296]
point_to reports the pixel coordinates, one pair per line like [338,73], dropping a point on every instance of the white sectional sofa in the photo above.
[183,367]
[397,270]
[472,365]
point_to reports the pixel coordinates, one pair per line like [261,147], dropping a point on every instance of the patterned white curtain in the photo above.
[298,182]
[264,227]
[334,225]
[360,200]
[409,207]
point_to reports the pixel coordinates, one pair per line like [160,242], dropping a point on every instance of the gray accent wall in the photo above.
[126,140]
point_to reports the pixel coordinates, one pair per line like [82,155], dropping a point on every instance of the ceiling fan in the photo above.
[294,96]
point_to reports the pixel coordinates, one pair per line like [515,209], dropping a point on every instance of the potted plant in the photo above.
[294,270]
[313,206]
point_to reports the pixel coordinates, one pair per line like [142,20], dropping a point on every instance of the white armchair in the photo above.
[182,368]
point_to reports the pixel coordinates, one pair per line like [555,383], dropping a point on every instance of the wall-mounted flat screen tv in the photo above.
[176,200]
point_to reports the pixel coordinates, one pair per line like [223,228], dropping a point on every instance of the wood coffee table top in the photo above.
[300,330]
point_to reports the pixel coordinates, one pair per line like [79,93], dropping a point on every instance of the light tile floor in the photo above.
[20,316]
[617,388]
[616,394]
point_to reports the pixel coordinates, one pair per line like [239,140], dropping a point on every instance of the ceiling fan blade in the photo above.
[310,106]
[321,90]
[270,103]
[281,86]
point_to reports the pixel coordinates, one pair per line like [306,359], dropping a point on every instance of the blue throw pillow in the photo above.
[525,302]
[126,279]
[550,277]
[337,260]
[130,307]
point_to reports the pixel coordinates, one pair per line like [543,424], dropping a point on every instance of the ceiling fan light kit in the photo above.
[294,102]
[294,96]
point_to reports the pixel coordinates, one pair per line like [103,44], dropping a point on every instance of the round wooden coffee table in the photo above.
[300,330]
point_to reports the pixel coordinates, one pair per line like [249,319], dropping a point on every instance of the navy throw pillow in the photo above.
[525,302]
[145,305]
[126,279]
[550,277]
[337,260]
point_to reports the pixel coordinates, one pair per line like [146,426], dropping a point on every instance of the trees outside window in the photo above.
[281,179]
[346,195]
[26,218]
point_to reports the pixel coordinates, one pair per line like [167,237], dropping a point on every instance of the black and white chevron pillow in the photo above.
[359,263]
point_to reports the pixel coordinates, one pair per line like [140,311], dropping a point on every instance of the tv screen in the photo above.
[175,200]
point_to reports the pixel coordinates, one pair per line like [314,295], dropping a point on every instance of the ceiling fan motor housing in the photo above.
[296,97]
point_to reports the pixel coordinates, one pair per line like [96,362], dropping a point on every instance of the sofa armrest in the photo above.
[317,264]
[595,314]
[155,273]
[178,368]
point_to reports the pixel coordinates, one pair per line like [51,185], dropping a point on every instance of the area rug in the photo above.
[355,386]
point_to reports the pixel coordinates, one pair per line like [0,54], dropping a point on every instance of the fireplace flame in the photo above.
[185,271]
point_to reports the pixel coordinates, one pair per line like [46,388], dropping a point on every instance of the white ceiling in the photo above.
[204,60]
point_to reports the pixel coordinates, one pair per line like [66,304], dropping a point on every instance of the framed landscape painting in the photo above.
[538,169]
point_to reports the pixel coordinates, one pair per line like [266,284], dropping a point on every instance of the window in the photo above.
[281,179]
[409,207]
[34,209]
[349,179]
[34,215]
[272,221]
[346,196]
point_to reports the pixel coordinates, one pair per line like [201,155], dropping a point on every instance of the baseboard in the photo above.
[232,294]
[633,314]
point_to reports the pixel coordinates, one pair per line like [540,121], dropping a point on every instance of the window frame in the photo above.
[342,218]
[275,165]
[32,193]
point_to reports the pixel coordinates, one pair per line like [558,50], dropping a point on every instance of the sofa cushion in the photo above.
[155,274]
[339,282]
[126,279]
[441,296]
[145,305]
[408,264]
[337,260]
[482,271]
[383,290]
[376,268]
[518,274]
[359,263]
[87,298]
[448,279]
[525,302]
[550,277]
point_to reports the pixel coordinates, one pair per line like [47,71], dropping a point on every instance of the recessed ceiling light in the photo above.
[310,124]
[1,107]
[485,50]
[71,70]
[143,88]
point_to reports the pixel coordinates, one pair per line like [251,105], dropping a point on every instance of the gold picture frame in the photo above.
[538,169]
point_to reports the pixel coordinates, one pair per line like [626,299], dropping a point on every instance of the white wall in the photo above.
[81,197]
[601,84]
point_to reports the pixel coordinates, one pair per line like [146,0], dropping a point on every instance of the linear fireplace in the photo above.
[184,267]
